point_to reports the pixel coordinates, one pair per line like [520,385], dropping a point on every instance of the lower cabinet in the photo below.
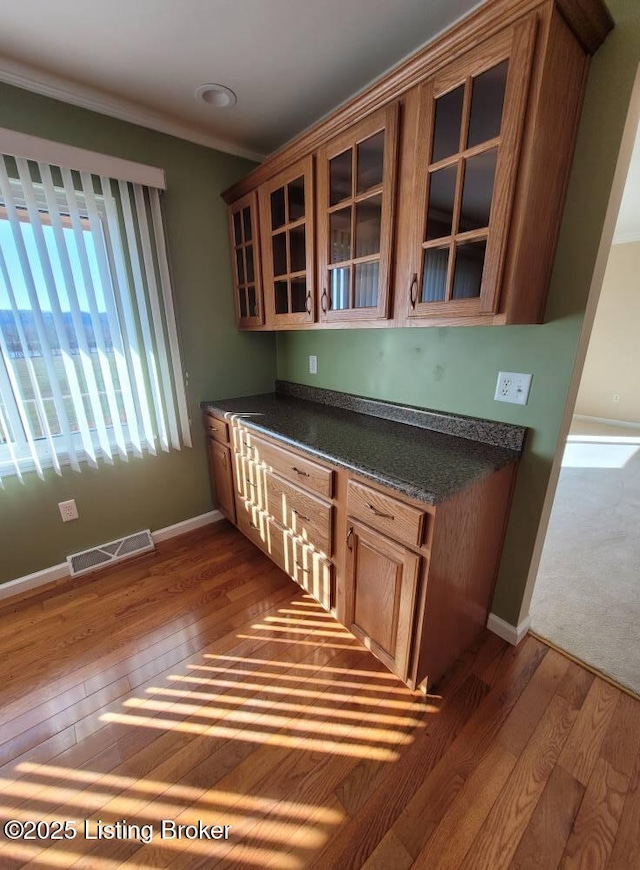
[412,581]
[381,580]
[221,476]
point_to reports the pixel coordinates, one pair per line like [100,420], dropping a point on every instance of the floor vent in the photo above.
[107,554]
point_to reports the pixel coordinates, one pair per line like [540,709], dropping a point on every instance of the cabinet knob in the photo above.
[413,288]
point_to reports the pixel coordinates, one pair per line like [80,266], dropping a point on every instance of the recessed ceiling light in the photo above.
[218,96]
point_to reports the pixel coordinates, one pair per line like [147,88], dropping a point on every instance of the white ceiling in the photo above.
[289,61]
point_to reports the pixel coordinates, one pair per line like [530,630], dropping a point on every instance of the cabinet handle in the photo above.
[308,303]
[324,301]
[305,570]
[413,296]
[213,429]
[380,513]
[253,526]
[224,459]
[297,471]
[300,516]
[250,483]
[350,538]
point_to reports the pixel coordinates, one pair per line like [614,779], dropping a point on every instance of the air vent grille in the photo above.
[112,551]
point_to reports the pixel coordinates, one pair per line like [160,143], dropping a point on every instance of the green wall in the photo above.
[455,369]
[152,492]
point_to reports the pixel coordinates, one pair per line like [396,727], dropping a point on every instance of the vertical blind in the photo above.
[89,361]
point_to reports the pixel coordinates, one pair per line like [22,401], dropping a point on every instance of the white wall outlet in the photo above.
[616,398]
[313,365]
[68,510]
[513,387]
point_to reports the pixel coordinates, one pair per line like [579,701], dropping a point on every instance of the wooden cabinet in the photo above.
[381,580]
[470,123]
[439,189]
[245,261]
[412,581]
[356,202]
[286,206]
[218,435]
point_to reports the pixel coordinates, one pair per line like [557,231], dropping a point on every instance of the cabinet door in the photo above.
[287,236]
[245,263]
[221,476]
[381,590]
[466,159]
[356,201]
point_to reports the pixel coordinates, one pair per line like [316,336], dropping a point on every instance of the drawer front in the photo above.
[295,468]
[401,521]
[305,515]
[250,480]
[216,428]
[304,565]
[242,440]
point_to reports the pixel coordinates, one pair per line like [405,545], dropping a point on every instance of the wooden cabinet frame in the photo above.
[246,320]
[517,46]
[387,120]
[303,168]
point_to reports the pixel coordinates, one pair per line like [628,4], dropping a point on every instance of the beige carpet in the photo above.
[587,595]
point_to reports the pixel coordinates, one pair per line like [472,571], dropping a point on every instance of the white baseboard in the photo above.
[186,526]
[627,424]
[511,633]
[58,572]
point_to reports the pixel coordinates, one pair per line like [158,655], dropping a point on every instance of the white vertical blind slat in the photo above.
[33,380]
[61,334]
[131,344]
[96,323]
[156,315]
[39,323]
[132,415]
[143,316]
[80,334]
[165,282]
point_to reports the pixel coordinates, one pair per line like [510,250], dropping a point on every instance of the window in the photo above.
[89,360]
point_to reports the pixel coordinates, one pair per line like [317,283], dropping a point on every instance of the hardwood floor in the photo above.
[199,684]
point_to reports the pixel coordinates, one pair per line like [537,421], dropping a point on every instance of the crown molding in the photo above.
[49,85]
[626,238]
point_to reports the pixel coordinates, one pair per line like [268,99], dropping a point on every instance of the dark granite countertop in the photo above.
[421,463]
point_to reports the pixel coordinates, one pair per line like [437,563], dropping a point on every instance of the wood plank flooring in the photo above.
[198,685]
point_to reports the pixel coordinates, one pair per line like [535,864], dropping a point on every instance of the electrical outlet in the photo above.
[616,398]
[513,387]
[313,365]
[68,510]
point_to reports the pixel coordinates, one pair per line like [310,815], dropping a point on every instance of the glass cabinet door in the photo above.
[469,129]
[243,230]
[287,233]
[356,193]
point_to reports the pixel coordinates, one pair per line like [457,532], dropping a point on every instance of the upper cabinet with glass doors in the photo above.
[245,262]
[470,125]
[286,215]
[439,190]
[356,199]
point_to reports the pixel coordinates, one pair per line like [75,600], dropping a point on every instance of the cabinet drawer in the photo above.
[292,466]
[250,480]
[216,428]
[401,521]
[302,513]
[291,554]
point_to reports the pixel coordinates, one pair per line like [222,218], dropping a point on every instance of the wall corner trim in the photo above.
[58,572]
[511,633]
